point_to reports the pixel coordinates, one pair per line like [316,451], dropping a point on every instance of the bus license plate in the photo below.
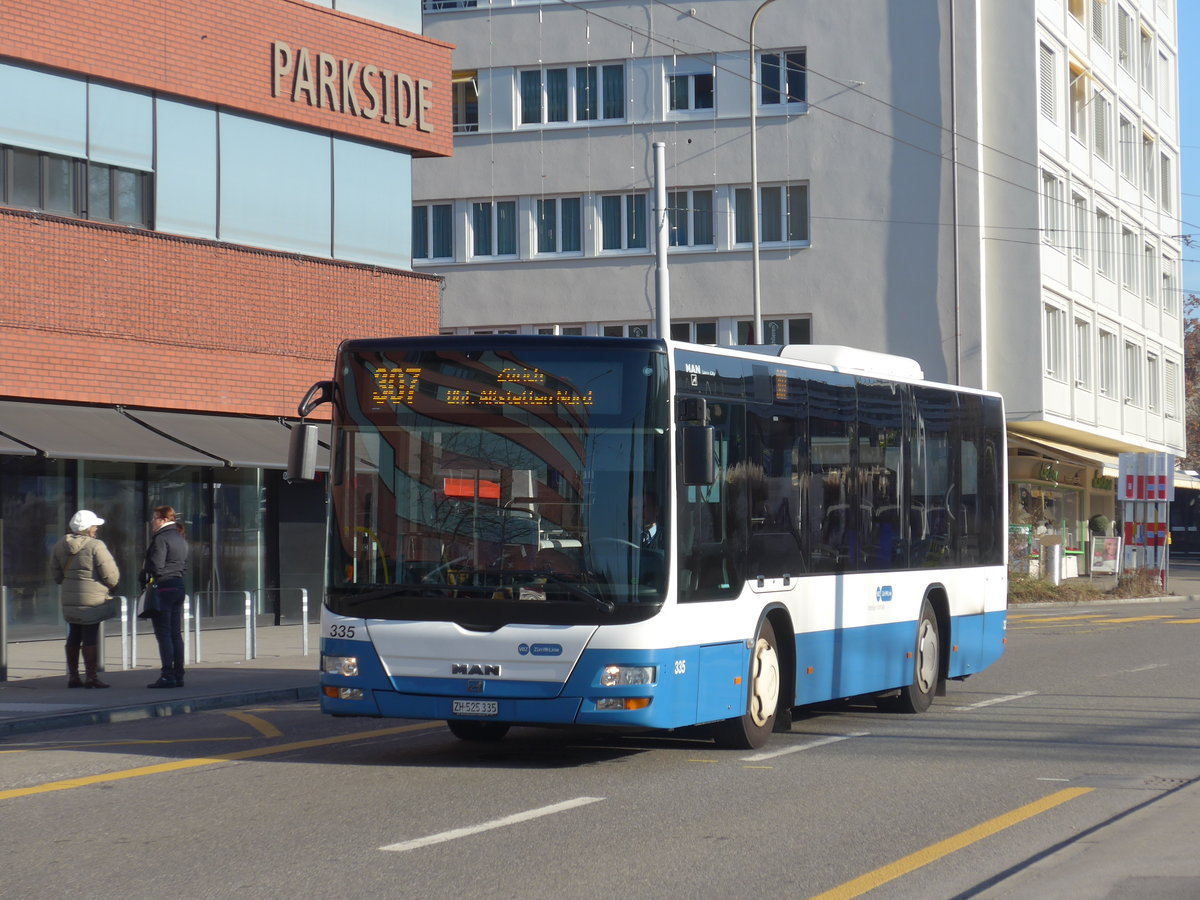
[475,707]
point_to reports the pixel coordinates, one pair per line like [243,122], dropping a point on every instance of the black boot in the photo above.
[90,657]
[179,678]
[164,681]
[73,679]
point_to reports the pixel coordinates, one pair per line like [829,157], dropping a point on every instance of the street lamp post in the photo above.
[757,336]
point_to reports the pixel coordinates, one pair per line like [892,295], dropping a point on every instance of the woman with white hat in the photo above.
[83,566]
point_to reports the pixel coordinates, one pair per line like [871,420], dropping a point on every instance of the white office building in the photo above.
[988,186]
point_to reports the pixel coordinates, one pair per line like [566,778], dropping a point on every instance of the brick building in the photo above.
[197,203]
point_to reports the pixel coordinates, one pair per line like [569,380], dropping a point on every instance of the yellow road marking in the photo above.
[85,745]
[1133,619]
[934,852]
[259,724]
[180,764]
[1028,619]
[1183,622]
[703,760]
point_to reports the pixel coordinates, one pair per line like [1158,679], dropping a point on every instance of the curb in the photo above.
[154,710]
[1113,601]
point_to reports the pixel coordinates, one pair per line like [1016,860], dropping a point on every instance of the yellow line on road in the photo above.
[86,745]
[1133,619]
[1183,622]
[258,723]
[181,764]
[934,852]
[1027,620]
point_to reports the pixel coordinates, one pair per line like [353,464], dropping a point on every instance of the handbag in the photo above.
[147,602]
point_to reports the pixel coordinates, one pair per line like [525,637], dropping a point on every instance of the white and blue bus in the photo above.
[538,530]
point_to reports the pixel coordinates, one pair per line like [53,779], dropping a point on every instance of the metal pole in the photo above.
[126,618]
[3,633]
[187,631]
[304,619]
[251,634]
[754,236]
[662,239]
[196,623]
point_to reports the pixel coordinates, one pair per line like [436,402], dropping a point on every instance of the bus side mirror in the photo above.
[698,461]
[302,454]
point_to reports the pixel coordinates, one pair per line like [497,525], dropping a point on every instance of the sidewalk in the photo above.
[36,696]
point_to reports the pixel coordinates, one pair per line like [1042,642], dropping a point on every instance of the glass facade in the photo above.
[234,540]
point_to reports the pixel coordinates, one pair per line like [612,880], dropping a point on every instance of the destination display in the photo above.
[523,386]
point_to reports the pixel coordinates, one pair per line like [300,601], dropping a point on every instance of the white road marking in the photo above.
[495,823]
[994,700]
[1146,668]
[820,742]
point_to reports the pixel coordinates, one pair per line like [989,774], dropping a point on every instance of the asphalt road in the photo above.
[1092,715]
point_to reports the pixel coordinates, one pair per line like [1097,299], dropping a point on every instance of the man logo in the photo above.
[486,669]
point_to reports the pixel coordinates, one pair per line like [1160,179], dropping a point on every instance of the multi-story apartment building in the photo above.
[198,201]
[988,186]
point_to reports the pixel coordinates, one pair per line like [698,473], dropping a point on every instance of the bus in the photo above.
[650,534]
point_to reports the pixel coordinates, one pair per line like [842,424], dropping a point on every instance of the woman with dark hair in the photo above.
[163,570]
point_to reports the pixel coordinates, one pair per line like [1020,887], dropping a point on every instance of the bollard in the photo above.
[196,624]
[304,620]
[251,642]
[3,633]
[187,631]
[126,619]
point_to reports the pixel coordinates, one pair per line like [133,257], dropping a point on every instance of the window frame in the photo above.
[430,213]
[577,108]
[559,231]
[687,216]
[686,73]
[742,234]
[783,87]
[634,212]
[496,230]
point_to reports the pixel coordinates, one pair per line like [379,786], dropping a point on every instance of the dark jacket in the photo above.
[166,557]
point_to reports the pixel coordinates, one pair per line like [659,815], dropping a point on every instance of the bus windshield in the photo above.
[486,486]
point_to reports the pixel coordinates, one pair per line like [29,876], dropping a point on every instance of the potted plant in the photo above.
[1099,524]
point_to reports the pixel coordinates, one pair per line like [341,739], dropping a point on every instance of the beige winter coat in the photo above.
[87,573]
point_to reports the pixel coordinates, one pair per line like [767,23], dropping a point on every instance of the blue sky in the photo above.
[1189,137]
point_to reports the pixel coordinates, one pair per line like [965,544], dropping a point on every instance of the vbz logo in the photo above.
[883,593]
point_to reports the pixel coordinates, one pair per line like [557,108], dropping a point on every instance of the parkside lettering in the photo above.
[345,86]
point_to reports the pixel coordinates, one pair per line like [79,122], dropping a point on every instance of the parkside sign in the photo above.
[350,87]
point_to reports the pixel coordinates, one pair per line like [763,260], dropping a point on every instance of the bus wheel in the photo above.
[468,730]
[751,730]
[918,696]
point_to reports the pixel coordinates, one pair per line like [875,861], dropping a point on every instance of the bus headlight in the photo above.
[341,665]
[613,676]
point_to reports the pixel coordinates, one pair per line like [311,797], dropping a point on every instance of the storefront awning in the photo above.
[238,441]
[1067,453]
[92,432]
[150,436]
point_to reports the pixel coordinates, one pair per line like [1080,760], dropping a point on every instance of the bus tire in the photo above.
[751,730]
[470,730]
[927,660]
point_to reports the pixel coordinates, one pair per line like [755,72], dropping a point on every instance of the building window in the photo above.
[1147,61]
[690,215]
[1170,291]
[1129,259]
[782,78]
[694,90]
[1152,385]
[1100,126]
[1100,22]
[466,102]
[1133,374]
[1083,354]
[623,222]
[695,332]
[1171,388]
[1150,282]
[64,185]
[1079,102]
[1167,183]
[1046,81]
[1083,224]
[494,228]
[1108,363]
[1125,39]
[1105,252]
[1165,81]
[782,210]
[1129,145]
[1052,209]
[776,331]
[559,225]
[1056,346]
[433,231]
[572,94]
[1149,164]
[1078,9]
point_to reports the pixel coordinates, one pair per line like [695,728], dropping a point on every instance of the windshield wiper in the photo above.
[605,606]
